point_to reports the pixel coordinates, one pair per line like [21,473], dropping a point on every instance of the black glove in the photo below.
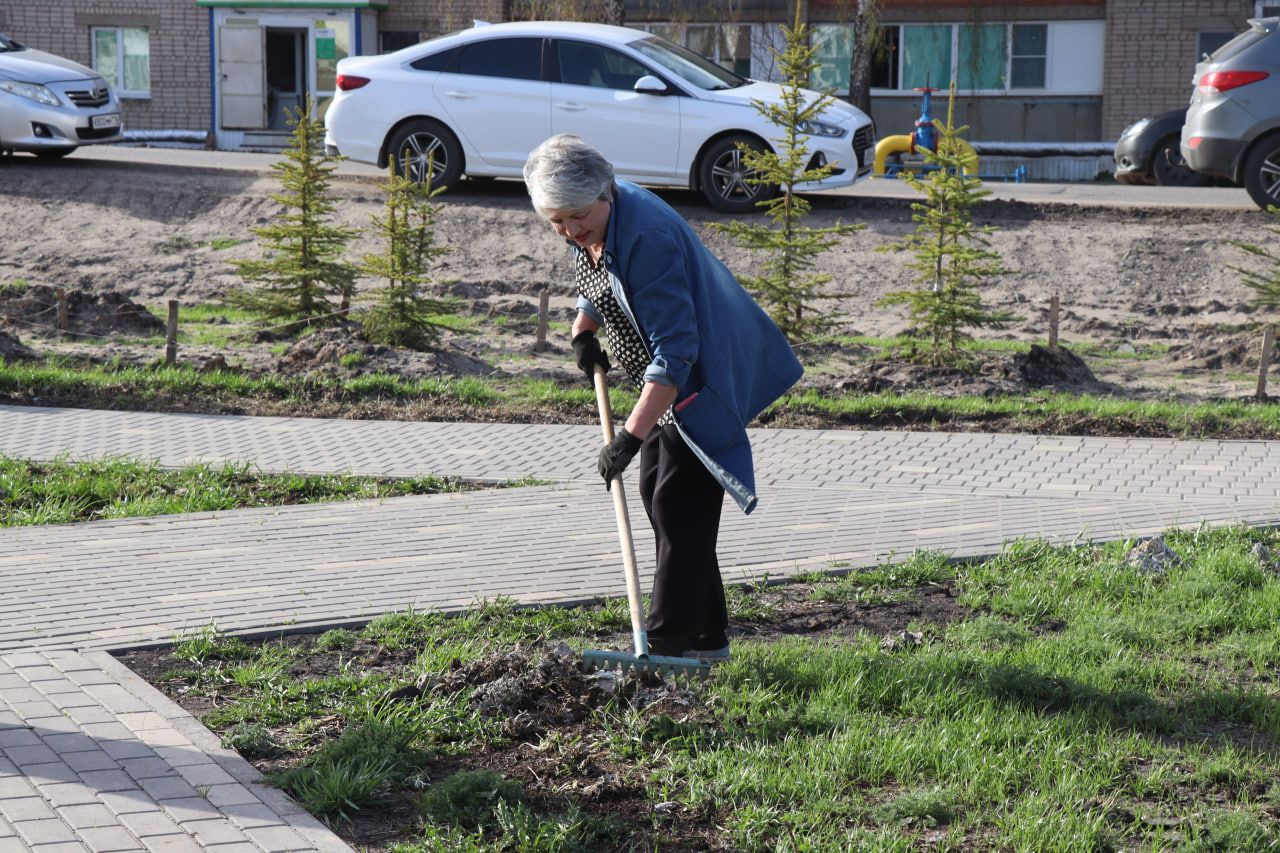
[617,454]
[586,349]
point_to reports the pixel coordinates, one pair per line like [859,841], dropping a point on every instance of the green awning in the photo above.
[297,4]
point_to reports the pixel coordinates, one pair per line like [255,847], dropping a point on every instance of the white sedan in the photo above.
[478,101]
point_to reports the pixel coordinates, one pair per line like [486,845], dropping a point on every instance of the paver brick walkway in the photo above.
[92,758]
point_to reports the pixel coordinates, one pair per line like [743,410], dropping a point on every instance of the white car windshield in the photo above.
[687,65]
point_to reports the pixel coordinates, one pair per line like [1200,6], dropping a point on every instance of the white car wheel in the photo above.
[726,182]
[425,149]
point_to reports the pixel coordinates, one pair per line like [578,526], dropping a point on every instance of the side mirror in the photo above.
[650,85]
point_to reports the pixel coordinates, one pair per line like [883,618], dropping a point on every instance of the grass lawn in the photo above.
[1049,699]
[60,382]
[61,492]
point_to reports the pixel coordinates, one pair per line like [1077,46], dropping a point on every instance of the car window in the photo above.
[584,64]
[7,44]
[519,59]
[687,65]
[439,61]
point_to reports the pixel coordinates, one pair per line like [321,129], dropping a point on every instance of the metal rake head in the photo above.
[659,665]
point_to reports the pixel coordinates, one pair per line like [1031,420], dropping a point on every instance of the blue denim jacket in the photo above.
[704,333]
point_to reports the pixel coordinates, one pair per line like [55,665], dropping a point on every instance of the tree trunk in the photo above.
[615,12]
[860,62]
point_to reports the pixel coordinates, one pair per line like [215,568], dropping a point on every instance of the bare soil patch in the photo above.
[540,690]
[1133,282]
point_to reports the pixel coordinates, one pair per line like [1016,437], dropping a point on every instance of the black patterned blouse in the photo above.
[624,346]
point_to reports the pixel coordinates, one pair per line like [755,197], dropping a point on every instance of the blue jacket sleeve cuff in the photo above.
[585,306]
[654,373]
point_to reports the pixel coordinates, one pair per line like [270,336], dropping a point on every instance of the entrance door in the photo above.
[242,66]
[286,75]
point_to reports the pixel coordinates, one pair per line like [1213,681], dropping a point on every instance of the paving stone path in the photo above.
[94,759]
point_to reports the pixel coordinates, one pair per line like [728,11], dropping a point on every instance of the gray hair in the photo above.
[565,173]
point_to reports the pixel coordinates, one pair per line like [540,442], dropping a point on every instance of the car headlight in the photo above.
[819,128]
[33,91]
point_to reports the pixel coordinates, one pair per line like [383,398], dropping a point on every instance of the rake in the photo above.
[640,662]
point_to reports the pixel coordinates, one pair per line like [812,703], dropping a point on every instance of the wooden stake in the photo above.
[543,301]
[1053,322]
[171,335]
[1264,360]
[64,322]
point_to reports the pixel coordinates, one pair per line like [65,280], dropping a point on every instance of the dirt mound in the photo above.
[534,691]
[13,349]
[986,376]
[1042,367]
[1213,349]
[341,350]
[103,313]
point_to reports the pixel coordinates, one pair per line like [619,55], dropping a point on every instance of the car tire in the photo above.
[1171,170]
[723,180]
[1262,172]
[426,140]
[53,153]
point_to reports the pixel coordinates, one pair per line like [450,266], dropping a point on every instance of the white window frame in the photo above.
[120,90]
[1048,59]
[955,62]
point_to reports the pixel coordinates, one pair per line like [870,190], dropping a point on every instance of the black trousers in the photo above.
[687,609]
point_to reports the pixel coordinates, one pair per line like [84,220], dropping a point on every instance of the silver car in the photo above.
[1233,124]
[50,105]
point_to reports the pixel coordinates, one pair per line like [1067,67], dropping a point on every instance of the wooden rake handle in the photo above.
[624,520]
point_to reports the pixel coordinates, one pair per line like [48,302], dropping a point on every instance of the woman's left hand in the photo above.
[617,454]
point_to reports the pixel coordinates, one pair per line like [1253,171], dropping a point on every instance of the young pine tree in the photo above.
[1265,283]
[953,257]
[786,284]
[400,315]
[303,272]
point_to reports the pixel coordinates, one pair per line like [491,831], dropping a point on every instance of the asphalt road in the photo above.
[1100,193]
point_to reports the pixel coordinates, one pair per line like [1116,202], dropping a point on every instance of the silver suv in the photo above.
[1233,124]
[50,105]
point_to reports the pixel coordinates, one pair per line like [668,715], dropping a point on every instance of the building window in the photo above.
[980,56]
[926,55]
[389,41]
[994,58]
[1267,10]
[1030,55]
[833,51]
[122,55]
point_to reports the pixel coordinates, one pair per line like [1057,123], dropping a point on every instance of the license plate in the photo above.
[869,156]
[109,120]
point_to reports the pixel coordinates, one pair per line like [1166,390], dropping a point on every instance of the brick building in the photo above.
[1042,70]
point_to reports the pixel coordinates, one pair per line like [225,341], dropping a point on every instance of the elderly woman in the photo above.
[704,356]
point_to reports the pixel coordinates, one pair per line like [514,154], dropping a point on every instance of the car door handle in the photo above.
[455,93]
[572,106]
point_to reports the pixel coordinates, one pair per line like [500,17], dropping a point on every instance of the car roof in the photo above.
[596,32]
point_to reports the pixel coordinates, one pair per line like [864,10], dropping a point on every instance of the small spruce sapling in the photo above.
[401,312]
[953,256]
[1263,281]
[786,283]
[303,271]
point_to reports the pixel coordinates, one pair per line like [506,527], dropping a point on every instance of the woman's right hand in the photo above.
[586,349]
